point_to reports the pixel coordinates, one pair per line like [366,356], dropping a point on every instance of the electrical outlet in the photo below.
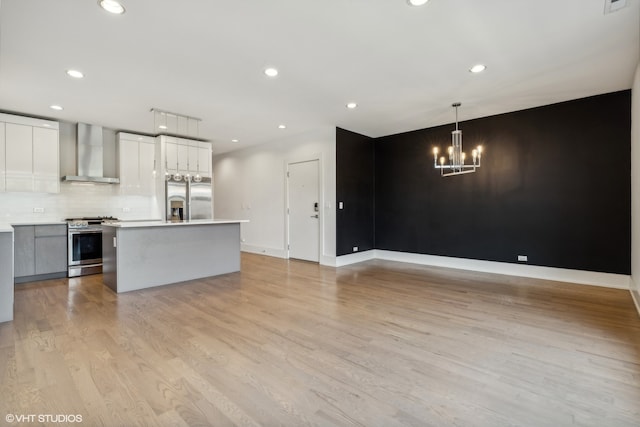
[38,210]
[523,258]
[126,209]
[355,249]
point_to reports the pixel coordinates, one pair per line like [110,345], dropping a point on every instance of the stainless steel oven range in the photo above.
[85,245]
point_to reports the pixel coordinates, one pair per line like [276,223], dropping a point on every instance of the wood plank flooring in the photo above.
[289,343]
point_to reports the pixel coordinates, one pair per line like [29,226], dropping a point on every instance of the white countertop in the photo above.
[7,226]
[140,224]
[36,222]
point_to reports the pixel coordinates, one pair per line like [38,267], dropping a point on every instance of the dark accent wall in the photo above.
[355,188]
[554,185]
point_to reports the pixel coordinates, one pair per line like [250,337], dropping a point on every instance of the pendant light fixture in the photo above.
[187,175]
[456,157]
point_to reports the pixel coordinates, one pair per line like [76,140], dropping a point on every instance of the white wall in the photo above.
[250,184]
[635,189]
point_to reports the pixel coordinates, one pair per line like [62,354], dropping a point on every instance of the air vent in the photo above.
[613,5]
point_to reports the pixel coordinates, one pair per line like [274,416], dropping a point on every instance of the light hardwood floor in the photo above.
[289,343]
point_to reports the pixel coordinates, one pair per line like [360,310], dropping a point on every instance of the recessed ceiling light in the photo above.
[162,127]
[282,126]
[75,74]
[112,6]
[234,140]
[47,125]
[352,105]
[417,2]
[271,72]
[56,107]
[478,68]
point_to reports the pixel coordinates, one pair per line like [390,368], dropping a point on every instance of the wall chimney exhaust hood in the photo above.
[89,157]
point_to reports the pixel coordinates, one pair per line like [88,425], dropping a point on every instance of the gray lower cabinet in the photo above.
[40,252]
[24,244]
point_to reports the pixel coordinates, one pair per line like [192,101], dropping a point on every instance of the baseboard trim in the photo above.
[38,277]
[635,294]
[355,258]
[608,280]
[263,250]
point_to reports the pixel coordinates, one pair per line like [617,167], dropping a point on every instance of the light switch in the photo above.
[340,205]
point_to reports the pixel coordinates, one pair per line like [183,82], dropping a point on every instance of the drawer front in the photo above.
[51,230]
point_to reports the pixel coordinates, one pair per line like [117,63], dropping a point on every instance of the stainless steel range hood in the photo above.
[89,157]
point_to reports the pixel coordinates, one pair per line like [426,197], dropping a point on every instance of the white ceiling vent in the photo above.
[613,5]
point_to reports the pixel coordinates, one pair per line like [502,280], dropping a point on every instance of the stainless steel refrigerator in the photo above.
[188,200]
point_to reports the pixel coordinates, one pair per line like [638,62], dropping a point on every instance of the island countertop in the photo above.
[142,224]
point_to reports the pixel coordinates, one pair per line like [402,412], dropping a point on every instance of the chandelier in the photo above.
[456,162]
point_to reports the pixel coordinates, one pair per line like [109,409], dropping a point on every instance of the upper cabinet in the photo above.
[46,165]
[204,159]
[187,156]
[137,164]
[30,159]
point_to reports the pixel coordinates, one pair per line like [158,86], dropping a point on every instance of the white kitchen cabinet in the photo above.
[19,157]
[200,158]
[30,159]
[193,157]
[147,168]
[171,155]
[187,156]
[2,158]
[177,155]
[137,164]
[46,176]
[183,157]
[204,156]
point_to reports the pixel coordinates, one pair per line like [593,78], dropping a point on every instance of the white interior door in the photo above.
[304,210]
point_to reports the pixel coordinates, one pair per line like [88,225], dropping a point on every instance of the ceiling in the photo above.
[403,65]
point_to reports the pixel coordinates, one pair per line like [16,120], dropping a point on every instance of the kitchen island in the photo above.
[6,273]
[144,254]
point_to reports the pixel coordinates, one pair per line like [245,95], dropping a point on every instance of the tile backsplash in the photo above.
[76,200]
